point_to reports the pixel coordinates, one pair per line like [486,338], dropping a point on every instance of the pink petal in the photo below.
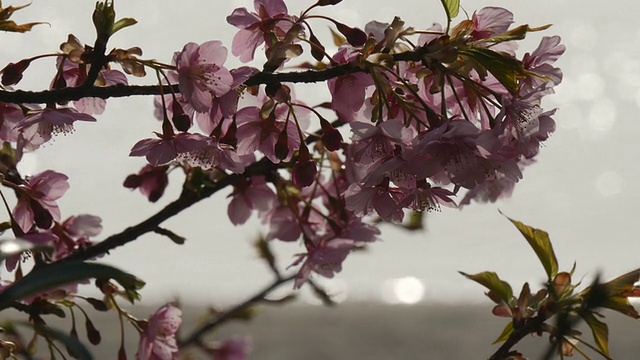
[23,215]
[242,18]
[238,210]
[273,7]
[245,43]
[212,52]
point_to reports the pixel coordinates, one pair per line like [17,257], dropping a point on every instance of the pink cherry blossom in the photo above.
[540,62]
[381,198]
[164,149]
[74,233]
[37,128]
[325,259]
[248,195]
[270,16]
[201,74]
[256,134]
[225,106]
[283,224]
[235,348]
[348,91]
[37,203]
[489,191]
[215,154]
[158,341]
[151,180]
[10,116]
[491,21]
[426,197]
[74,73]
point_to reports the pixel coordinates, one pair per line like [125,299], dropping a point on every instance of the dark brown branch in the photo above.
[121,90]
[237,310]
[187,198]
[532,326]
[77,93]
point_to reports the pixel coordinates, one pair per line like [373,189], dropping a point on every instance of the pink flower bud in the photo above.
[355,36]
[331,137]
[304,171]
[282,146]
[12,73]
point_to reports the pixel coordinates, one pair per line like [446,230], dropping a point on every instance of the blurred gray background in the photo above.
[582,190]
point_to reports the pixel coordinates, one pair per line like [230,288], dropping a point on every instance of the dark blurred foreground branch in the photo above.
[234,312]
[532,326]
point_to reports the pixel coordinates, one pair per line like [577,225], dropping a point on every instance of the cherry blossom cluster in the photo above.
[415,116]
[461,112]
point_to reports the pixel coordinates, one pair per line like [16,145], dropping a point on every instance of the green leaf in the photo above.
[491,281]
[452,8]
[517,33]
[540,243]
[600,331]
[56,275]
[122,23]
[506,69]
[505,333]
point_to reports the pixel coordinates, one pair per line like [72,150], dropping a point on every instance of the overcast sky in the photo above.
[582,190]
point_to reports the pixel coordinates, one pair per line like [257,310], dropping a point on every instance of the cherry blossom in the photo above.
[248,195]
[235,348]
[164,149]
[325,259]
[264,135]
[201,74]
[158,341]
[270,16]
[37,128]
[151,180]
[348,91]
[10,116]
[37,203]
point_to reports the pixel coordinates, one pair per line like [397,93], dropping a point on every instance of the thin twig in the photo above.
[222,317]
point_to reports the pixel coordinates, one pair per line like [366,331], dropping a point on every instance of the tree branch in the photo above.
[237,310]
[121,90]
[530,327]
[187,198]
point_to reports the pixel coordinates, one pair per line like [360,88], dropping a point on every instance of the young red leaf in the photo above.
[614,294]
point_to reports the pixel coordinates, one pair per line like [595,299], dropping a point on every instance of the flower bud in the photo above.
[103,18]
[282,146]
[181,121]
[304,171]
[328,2]
[331,137]
[12,73]
[355,36]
